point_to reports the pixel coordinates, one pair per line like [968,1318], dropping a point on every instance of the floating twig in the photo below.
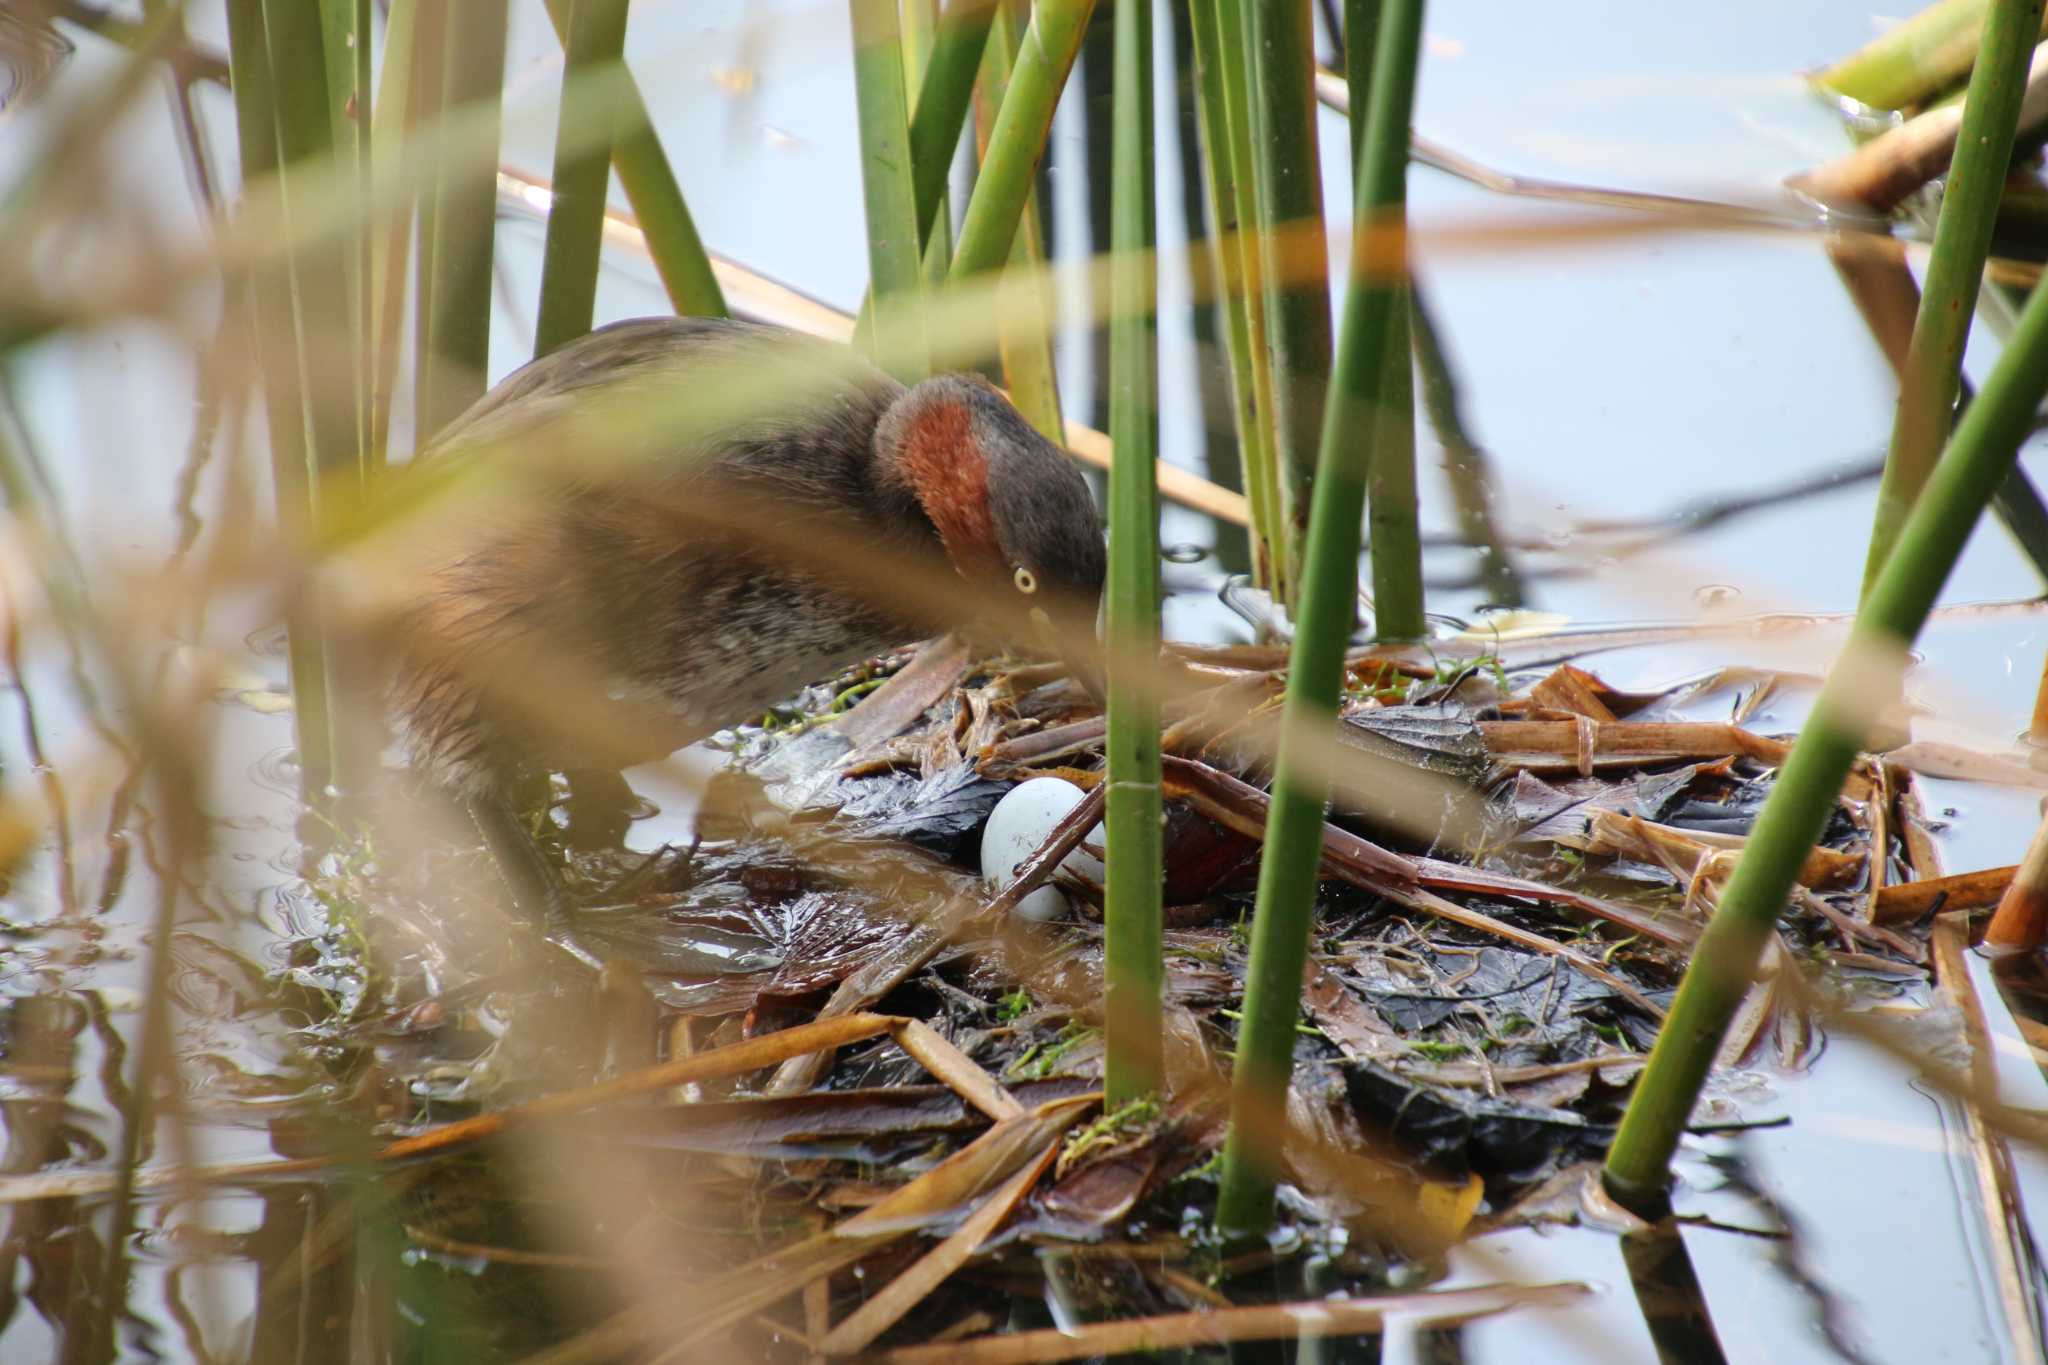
[1283,1322]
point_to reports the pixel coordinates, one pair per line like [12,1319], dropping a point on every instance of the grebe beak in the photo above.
[1073,636]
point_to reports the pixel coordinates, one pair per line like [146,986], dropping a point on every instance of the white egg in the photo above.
[1018,825]
[1043,905]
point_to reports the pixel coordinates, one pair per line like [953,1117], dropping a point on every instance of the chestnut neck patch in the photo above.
[947,470]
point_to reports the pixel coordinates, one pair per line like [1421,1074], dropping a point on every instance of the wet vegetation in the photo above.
[1272,966]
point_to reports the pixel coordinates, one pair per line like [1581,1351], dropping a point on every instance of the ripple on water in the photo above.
[29,52]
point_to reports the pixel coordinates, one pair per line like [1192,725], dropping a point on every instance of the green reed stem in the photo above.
[1372,337]
[460,65]
[1393,514]
[321,273]
[256,141]
[1863,680]
[921,26]
[1914,60]
[1023,308]
[593,58]
[1133,969]
[1278,537]
[1391,498]
[317,135]
[275,337]
[1361,42]
[920,31]
[1292,239]
[1244,344]
[945,90]
[392,123]
[945,86]
[1051,42]
[656,196]
[1955,270]
[345,38]
[427,103]
[894,235]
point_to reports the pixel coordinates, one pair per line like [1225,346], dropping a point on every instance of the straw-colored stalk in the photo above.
[1244,328]
[1858,688]
[2037,727]
[593,56]
[1373,312]
[1889,169]
[2021,924]
[1955,270]
[1052,40]
[1287,176]
[657,199]
[1133,964]
[888,192]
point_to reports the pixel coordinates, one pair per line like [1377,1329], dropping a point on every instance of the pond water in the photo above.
[1618,378]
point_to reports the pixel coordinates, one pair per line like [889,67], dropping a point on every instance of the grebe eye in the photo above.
[1026,581]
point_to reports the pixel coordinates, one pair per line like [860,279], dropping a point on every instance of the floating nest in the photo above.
[834,1090]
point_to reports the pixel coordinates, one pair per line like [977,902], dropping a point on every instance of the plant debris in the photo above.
[1482,993]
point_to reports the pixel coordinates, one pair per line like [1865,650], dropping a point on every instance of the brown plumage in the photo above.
[617,619]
